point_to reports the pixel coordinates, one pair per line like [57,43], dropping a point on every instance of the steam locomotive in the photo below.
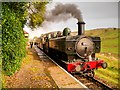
[76,52]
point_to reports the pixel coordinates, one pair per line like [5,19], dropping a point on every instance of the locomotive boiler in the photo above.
[76,52]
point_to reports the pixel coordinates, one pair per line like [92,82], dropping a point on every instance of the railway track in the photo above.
[92,83]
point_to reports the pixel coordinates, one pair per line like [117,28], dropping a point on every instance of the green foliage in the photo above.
[36,17]
[13,40]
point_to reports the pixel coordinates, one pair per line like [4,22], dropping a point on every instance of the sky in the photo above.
[95,15]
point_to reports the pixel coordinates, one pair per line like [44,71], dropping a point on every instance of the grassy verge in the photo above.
[27,59]
[110,74]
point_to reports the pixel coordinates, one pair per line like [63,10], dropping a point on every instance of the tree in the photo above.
[13,41]
[36,11]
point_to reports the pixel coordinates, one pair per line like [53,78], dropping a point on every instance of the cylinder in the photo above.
[81,28]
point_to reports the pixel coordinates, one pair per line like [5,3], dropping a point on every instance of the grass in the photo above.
[109,39]
[110,80]
[109,53]
[110,74]
[110,46]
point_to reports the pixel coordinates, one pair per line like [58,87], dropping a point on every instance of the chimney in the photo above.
[81,28]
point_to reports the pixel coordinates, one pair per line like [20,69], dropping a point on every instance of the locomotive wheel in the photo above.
[91,74]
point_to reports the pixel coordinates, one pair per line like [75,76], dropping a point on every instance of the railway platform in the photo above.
[39,71]
[61,77]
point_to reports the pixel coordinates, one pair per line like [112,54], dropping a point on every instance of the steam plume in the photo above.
[63,12]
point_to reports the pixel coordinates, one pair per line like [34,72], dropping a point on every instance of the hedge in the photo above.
[13,40]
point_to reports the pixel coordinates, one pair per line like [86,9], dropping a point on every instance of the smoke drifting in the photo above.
[63,12]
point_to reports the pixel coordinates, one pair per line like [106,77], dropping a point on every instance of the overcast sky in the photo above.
[95,15]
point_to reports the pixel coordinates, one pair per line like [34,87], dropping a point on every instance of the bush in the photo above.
[13,40]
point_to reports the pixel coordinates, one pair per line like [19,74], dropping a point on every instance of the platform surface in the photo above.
[60,77]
